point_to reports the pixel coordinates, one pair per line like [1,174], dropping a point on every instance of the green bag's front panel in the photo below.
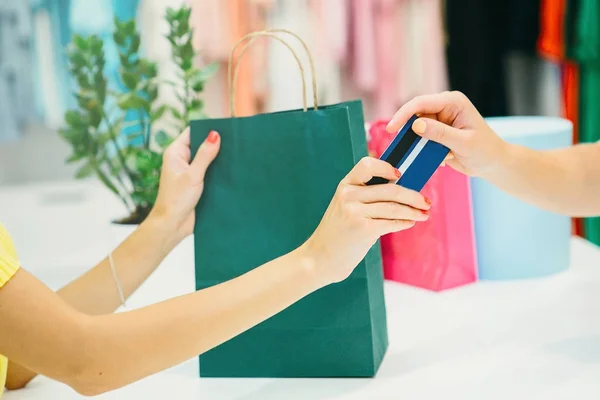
[264,196]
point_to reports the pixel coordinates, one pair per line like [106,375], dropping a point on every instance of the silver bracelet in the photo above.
[116,278]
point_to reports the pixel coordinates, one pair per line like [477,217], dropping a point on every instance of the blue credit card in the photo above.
[417,158]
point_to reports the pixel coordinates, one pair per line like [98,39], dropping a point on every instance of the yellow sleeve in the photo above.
[9,264]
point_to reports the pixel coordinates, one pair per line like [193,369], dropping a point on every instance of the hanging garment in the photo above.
[570,68]
[328,47]
[15,73]
[476,52]
[284,83]
[421,65]
[364,57]
[587,52]
[49,78]
[551,43]
[212,38]
[523,26]
[533,85]
[386,102]
[333,21]
[571,17]
[53,88]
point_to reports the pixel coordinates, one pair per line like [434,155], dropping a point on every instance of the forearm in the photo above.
[565,181]
[100,353]
[135,259]
[95,292]
[174,331]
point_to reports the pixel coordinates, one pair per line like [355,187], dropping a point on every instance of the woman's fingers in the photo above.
[205,155]
[384,226]
[394,211]
[391,192]
[368,168]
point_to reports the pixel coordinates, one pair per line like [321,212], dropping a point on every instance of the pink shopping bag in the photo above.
[440,253]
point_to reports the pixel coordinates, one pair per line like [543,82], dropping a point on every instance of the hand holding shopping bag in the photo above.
[265,194]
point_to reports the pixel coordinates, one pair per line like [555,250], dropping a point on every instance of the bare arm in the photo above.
[97,353]
[95,292]
[565,181]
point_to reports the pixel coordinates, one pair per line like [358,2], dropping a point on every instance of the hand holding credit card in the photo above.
[417,158]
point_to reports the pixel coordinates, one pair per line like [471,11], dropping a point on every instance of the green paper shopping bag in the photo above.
[264,196]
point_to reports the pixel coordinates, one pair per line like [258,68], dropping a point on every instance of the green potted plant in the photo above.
[112,133]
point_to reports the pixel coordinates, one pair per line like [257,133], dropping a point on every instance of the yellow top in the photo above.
[9,264]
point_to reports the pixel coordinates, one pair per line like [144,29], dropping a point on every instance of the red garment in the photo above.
[570,87]
[551,43]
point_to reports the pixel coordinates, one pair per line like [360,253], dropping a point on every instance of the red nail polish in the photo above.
[212,138]
[398,173]
[427,201]
[426,212]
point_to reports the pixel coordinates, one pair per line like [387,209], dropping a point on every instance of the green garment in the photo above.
[585,48]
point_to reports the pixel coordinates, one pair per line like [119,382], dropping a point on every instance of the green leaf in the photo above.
[97,46]
[80,42]
[187,51]
[119,38]
[84,171]
[175,113]
[131,101]
[77,156]
[135,44]
[77,59]
[95,116]
[171,14]
[103,138]
[147,68]
[152,93]
[68,134]
[75,119]
[186,65]
[129,28]
[129,79]
[158,112]
[163,140]
[196,105]
[124,59]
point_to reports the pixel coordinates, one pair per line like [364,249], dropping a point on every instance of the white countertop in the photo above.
[532,339]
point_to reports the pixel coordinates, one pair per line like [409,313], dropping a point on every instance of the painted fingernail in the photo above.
[398,173]
[428,201]
[425,212]
[419,126]
[212,138]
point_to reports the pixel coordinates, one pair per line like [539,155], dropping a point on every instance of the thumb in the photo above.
[206,154]
[439,132]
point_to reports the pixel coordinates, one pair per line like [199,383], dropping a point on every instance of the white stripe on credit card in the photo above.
[413,155]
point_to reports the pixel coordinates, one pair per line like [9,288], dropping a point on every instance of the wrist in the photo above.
[163,229]
[506,156]
[311,260]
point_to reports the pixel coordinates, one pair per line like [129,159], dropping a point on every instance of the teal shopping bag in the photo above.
[264,196]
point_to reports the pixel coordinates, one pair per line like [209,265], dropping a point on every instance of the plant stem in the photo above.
[118,177]
[102,176]
[120,155]
[145,129]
